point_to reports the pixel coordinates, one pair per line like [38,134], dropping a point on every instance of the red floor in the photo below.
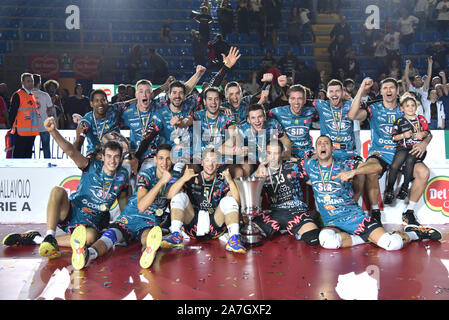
[282,268]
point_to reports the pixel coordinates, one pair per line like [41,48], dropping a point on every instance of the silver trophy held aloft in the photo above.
[250,190]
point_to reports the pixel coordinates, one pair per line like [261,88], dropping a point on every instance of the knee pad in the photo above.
[228,204]
[311,237]
[390,242]
[180,201]
[329,239]
[111,236]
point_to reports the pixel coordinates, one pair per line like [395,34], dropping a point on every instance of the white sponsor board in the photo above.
[25,186]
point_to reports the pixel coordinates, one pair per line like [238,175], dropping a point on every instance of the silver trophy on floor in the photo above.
[250,190]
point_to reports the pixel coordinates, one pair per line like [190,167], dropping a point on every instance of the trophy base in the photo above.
[252,241]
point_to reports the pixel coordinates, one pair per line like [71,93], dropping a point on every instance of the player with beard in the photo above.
[345,222]
[102,182]
[237,103]
[141,218]
[296,120]
[382,116]
[335,123]
[207,207]
[282,187]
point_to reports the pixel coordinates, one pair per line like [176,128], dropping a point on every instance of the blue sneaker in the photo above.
[235,245]
[172,240]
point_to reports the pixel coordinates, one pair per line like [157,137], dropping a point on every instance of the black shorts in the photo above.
[385,166]
[215,230]
[277,220]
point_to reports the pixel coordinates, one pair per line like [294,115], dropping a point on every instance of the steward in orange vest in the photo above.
[27,118]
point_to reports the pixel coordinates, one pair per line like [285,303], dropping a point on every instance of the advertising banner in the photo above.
[86,67]
[48,66]
[24,189]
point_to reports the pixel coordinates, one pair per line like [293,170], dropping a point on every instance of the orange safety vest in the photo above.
[27,118]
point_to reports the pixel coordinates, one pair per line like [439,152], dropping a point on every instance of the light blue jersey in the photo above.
[138,123]
[94,129]
[334,199]
[297,127]
[257,141]
[132,221]
[95,189]
[336,124]
[381,122]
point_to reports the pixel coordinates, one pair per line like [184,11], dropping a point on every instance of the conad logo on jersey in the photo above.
[436,195]
[70,184]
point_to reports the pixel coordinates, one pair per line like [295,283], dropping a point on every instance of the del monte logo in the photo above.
[436,195]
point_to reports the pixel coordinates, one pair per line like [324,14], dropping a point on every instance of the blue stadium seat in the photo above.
[121,64]
[307,51]
[67,36]
[33,36]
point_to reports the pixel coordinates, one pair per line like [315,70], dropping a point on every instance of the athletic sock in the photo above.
[375,207]
[411,205]
[51,232]
[412,235]
[356,240]
[233,229]
[176,226]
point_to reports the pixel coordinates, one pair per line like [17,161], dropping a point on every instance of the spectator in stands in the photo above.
[436,110]
[220,46]
[78,103]
[443,96]
[165,32]
[391,40]
[439,51]
[423,11]
[342,28]
[51,87]
[44,105]
[255,14]
[159,66]
[121,94]
[406,26]
[337,51]
[243,17]
[225,15]
[131,91]
[293,25]
[443,17]
[367,40]
[305,23]
[273,17]
[134,61]
[380,53]
[352,66]
[204,19]
[394,70]
[413,71]
[4,116]
[307,76]
[206,4]
[24,118]
[4,93]
[287,63]
[198,49]
[268,60]
[252,86]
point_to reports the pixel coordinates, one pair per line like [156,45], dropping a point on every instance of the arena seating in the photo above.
[120,24]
